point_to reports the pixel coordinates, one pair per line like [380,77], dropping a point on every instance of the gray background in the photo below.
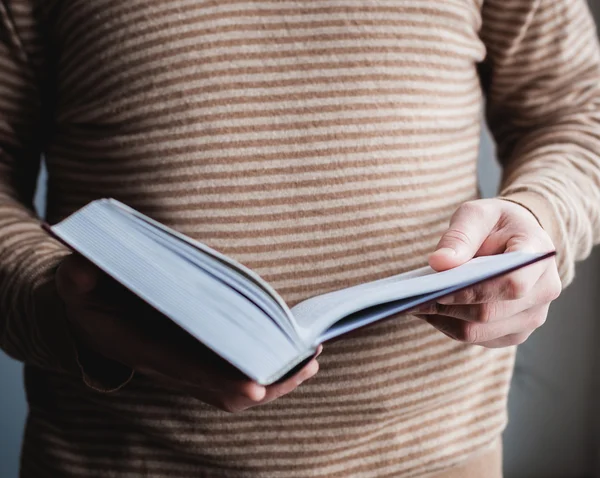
[554,427]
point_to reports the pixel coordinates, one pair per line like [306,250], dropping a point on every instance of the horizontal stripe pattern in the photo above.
[323,144]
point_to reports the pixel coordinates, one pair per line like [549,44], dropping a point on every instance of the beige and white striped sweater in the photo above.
[322,143]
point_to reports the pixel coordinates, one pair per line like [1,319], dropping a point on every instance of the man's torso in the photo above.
[322,144]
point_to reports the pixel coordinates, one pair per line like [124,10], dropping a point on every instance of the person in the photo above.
[323,144]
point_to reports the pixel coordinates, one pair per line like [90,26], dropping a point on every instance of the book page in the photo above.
[225,267]
[315,315]
[207,250]
[220,271]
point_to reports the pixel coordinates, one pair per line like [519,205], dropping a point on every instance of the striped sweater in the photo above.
[321,143]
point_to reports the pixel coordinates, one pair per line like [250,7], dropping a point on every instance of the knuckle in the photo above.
[537,320]
[456,235]
[470,333]
[555,288]
[478,294]
[481,294]
[485,313]
[467,296]
[517,287]
[472,208]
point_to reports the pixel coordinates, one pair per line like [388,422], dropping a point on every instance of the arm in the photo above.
[542,79]
[32,329]
[59,312]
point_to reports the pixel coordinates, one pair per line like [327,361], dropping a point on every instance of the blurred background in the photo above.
[554,424]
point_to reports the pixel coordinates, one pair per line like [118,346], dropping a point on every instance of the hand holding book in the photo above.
[119,332]
[503,311]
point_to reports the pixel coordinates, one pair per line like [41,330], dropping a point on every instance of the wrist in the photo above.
[539,208]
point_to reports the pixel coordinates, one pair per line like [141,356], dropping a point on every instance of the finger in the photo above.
[149,343]
[480,313]
[286,386]
[201,386]
[234,400]
[236,403]
[508,341]
[196,366]
[76,276]
[283,388]
[199,367]
[539,282]
[532,241]
[469,227]
[475,333]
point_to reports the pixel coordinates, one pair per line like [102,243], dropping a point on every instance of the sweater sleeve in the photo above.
[542,82]
[32,325]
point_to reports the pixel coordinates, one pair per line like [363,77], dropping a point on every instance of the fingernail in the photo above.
[257,393]
[319,351]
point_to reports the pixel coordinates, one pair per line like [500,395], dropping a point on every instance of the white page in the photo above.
[221,271]
[216,254]
[317,314]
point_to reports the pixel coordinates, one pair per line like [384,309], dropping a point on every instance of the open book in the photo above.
[234,312]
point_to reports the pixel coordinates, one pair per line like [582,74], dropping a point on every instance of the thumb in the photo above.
[76,276]
[469,228]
